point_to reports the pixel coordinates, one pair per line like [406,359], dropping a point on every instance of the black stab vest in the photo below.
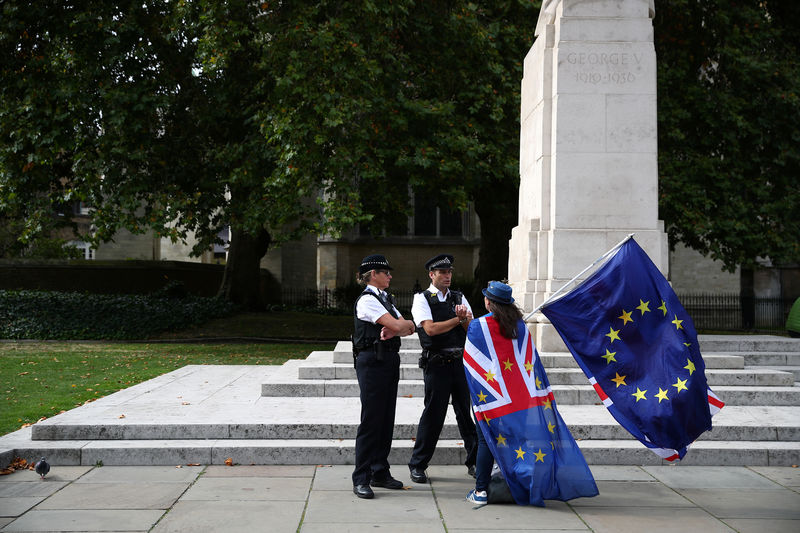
[441,311]
[365,333]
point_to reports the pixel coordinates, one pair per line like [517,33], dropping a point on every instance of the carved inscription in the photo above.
[590,61]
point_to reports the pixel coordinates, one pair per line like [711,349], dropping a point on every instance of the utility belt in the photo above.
[443,357]
[379,347]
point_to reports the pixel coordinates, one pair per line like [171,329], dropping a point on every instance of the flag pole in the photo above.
[567,284]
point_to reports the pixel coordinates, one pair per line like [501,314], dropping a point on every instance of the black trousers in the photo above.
[378,383]
[442,383]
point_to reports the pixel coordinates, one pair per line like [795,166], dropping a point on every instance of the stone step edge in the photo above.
[716,376]
[341,452]
[610,430]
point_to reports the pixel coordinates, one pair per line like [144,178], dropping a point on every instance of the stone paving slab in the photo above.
[670,498]
[232,517]
[610,519]
[86,520]
[121,495]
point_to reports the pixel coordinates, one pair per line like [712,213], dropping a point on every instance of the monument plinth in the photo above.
[588,147]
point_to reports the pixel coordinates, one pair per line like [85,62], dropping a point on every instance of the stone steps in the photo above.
[206,414]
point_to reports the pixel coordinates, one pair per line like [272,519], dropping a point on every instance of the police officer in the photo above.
[442,317]
[378,326]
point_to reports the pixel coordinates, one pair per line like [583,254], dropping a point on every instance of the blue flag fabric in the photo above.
[517,413]
[637,345]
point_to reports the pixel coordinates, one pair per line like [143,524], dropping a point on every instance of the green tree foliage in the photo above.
[728,108]
[385,98]
[183,117]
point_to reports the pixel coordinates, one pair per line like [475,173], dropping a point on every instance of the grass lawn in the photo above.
[276,325]
[40,380]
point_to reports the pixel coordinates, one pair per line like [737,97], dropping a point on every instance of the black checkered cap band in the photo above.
[374,264]
[441,263]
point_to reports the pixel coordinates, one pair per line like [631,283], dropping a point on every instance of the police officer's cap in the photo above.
[373,262]
[441,261]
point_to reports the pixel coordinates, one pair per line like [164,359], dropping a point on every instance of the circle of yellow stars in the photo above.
[610,357]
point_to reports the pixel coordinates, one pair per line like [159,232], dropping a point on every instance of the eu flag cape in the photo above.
[637,345]
[517,413]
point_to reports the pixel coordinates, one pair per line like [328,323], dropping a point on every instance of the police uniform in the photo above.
[378,371]
[443,373]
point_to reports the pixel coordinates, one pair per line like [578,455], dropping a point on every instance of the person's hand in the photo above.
[461,311]
[386,333]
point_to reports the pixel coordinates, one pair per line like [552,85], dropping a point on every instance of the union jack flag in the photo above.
[516,411]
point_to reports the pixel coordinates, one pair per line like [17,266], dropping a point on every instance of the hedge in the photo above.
[81,316]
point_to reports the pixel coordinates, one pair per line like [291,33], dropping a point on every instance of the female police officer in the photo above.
[377,328]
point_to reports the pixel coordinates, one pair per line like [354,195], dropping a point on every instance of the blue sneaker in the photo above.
[478,497]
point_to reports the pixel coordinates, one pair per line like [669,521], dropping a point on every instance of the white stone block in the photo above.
[599,68]
[605,191]
[605,8]
[631,123]
[605,30]
[580,121]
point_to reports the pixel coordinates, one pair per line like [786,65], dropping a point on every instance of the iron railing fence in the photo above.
[341,299]
[709,312]
[733,312]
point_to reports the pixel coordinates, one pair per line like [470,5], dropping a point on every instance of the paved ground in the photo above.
[312,499]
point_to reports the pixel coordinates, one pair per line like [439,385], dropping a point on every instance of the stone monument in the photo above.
[588,148]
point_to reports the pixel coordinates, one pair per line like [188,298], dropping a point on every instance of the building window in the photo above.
[432,220]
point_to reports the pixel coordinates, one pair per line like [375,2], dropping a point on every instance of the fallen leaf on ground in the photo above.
[229,461]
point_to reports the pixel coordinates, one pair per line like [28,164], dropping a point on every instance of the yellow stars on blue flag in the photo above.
[609,356]
[619,380]
[538,383]
[626,317]
[662,395]
[680,384]
[639,394]
[540,455]
[643,307]
[613,334]
[689,366]
[507,364]
[548,404]
[528,366]
[501,440]
[663,307]
[677,323]
[481,397]
[520,453]
[489,376]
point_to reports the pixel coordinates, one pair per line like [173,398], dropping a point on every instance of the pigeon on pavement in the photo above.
[42,467]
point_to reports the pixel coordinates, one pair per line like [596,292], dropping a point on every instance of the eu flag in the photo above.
[517,413]
[637,345]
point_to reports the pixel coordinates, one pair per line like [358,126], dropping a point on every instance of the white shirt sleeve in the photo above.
[420,310]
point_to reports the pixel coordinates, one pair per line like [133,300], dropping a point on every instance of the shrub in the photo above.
[70,315]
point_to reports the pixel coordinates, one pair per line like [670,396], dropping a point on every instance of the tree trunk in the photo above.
[496,205]
[747,298]
[241,282]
